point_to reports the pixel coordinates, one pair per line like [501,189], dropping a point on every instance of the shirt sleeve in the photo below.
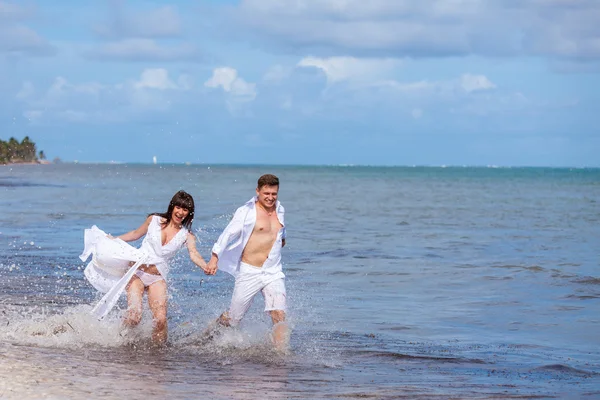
[231,233]
[281,215]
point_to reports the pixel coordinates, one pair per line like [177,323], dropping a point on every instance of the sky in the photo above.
[316,82]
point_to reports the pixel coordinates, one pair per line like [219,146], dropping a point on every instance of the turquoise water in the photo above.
[416,282]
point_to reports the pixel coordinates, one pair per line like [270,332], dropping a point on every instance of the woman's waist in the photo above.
[153,269]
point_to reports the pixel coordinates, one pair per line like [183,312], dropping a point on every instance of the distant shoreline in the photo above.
[40,162]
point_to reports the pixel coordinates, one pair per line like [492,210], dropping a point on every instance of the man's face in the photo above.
[267,195]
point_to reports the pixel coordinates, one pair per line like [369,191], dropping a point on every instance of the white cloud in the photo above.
[549,28]
[21,40]
[223,76]
[16,38]
[409,98]
[156,78]
[153,91]
[466,84]
[59,87]
[136,36]
[410,87]
[339,69]
[277,73]
[148,89]
[473,83]
[227,78]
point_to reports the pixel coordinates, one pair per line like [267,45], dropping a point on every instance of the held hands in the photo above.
[211,267]
[205,269]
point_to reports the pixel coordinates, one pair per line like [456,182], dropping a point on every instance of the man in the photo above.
[250,249]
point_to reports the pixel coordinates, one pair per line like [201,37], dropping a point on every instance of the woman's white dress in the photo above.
[109,271]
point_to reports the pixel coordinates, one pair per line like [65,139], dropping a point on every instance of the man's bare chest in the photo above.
[267,225]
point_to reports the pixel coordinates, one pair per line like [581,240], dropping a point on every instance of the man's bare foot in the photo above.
[224,319]
[214,329]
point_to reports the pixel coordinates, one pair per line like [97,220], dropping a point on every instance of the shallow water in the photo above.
[402,283]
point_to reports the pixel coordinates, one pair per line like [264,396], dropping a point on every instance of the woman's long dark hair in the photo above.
[180,199]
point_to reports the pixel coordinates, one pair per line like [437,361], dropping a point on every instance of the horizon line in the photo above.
[339,165]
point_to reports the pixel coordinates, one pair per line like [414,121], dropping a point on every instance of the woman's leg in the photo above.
[157,300]
[135,293]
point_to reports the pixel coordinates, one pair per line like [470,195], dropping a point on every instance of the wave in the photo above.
[566,370]
[588,281]
[402,356]
[17,183]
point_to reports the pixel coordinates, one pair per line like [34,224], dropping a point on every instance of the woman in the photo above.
[117,266]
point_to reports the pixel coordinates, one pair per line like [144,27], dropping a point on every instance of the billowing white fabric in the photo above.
[235,236]
[110,261]
[109,271]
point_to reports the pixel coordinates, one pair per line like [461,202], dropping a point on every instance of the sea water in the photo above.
[402,282]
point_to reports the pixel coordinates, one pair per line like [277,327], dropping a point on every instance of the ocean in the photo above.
[402,282]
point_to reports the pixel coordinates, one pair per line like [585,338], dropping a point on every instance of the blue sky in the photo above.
[379,82]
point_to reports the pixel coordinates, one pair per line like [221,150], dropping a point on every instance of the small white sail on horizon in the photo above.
[154,159]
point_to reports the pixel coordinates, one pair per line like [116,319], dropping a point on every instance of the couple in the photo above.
[249,249]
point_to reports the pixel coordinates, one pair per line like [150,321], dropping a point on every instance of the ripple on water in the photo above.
[562,369]
[587,281]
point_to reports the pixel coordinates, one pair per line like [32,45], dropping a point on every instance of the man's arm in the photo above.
[231,233]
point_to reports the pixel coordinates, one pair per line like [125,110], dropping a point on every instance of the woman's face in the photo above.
[179,214]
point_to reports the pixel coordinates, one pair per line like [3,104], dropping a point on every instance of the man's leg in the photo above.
[275,304]
[247,284]
[241,299]
[135,293]
[281,333]
[157,300]
[246,287]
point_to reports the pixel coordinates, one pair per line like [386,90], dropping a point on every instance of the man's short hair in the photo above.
[268,180]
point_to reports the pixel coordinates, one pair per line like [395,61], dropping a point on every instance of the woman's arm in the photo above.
[136,233]
[194,254]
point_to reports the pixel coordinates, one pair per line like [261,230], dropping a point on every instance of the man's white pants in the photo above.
[248,283]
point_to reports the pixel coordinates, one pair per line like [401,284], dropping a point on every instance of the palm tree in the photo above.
[28,149]
[13,151]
